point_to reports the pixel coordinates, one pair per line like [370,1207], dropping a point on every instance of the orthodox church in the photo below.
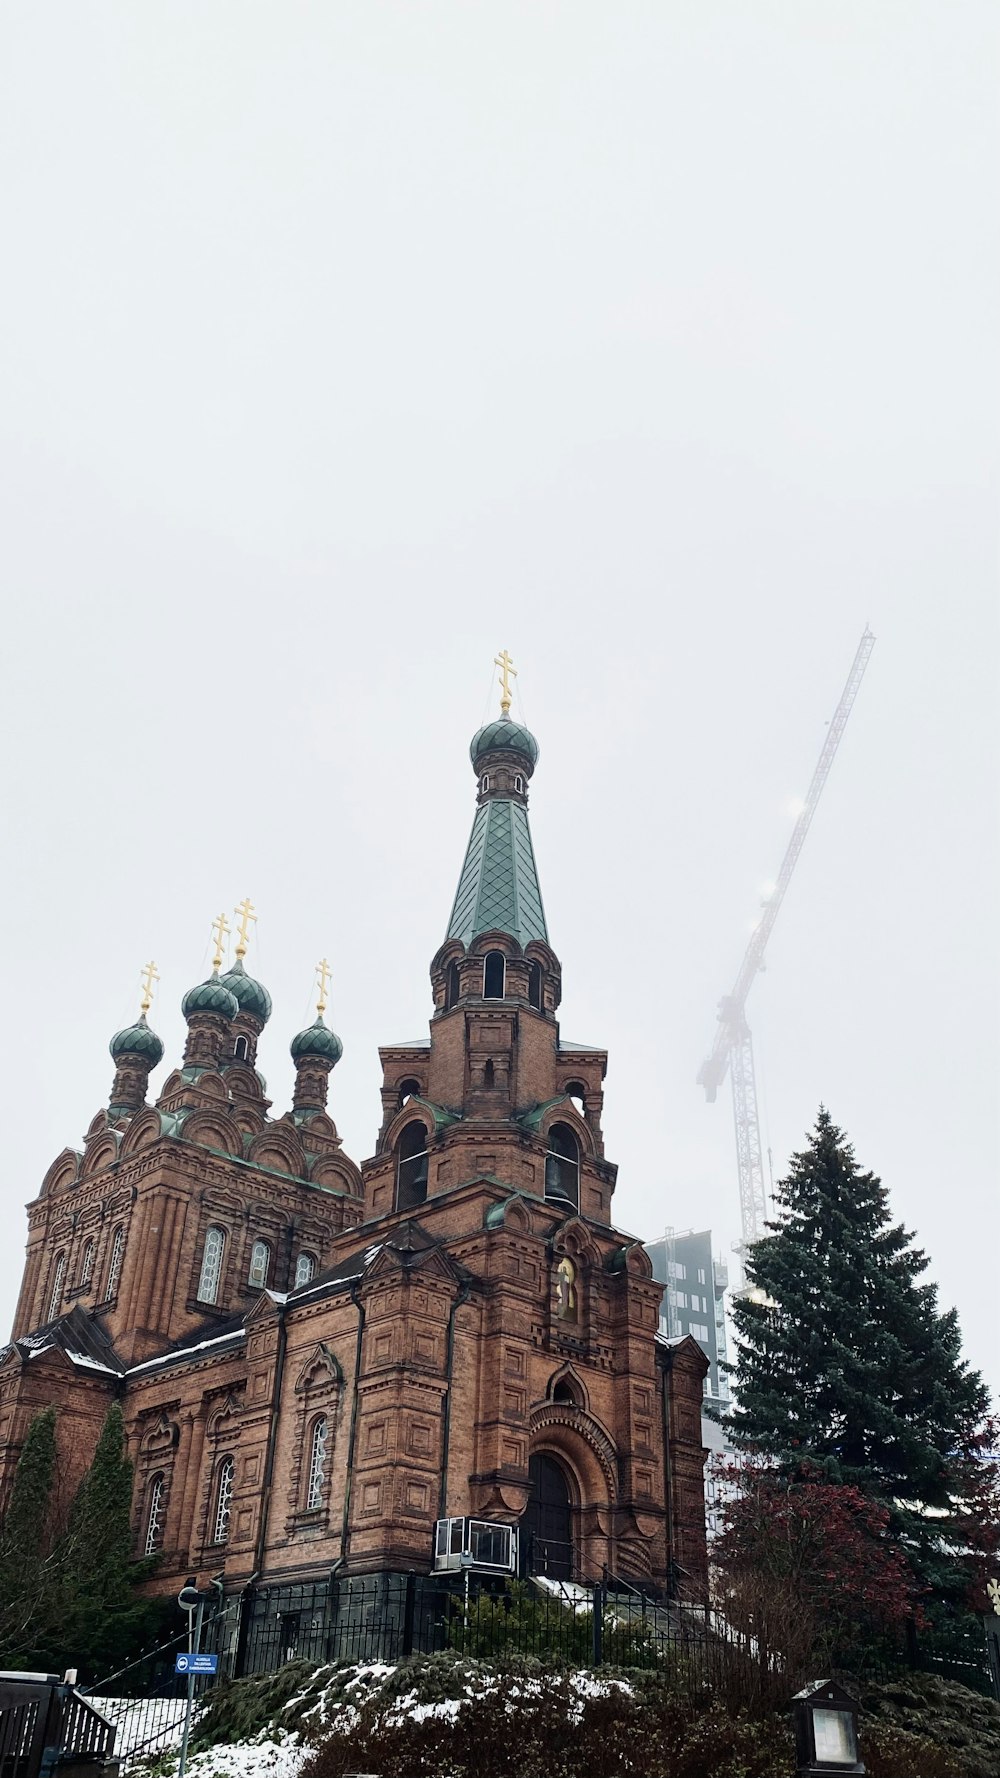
[446,1358]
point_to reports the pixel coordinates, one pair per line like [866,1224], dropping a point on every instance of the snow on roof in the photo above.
[186,1351]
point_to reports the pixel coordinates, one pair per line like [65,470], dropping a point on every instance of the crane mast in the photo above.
[733,1046]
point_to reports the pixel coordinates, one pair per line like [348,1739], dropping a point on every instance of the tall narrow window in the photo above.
[562,1167]
[223,1501]
[87,1263]
[454,986]
[260,1260]
[493,974]
[241,1050]
[154,1517]
[411,1167]
[535,985]
[58,1280]
[115,1262]
[317,1466]
[305,1269]
[211,1266]
[488,1074]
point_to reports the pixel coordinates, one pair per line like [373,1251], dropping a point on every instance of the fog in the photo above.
[341,346]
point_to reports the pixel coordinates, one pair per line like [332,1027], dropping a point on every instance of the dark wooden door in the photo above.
[547,1525]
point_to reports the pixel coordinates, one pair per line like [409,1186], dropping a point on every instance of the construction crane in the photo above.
[733,1047]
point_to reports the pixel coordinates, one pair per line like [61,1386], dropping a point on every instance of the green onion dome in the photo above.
[210,996]
[250,997]
[504,734]
[318,1040]
[137,1040]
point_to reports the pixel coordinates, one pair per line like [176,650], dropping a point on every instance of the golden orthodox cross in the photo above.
[507,670]
[149,975]
[247,918]
[322,978]
[220,927]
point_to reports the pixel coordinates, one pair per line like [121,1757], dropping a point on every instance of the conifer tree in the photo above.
[28,1585]
[103,1614]
[844,1360]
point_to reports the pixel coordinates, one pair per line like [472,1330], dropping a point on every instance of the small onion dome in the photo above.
[210,996]
[504,734]
[318,1040]
[250,997]
[137,1040]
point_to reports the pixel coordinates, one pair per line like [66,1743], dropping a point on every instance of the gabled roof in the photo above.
[498,890]
[77,1336]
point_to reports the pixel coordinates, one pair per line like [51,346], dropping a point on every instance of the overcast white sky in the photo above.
[341,345]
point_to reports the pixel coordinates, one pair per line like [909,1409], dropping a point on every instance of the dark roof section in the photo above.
[78,1336]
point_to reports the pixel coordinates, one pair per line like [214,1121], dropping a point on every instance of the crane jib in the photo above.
[732,1050]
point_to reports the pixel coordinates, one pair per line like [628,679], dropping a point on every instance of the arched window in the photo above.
[305,1269]
[493,974]
[223,1501]
[564,1392]
[454,986]
[58,1280]
[317,1466]
[535,985]
[406,1090]
[576,1091]
[411,1167]
[562,1167]
[211,1266]
[154,1517]
[260,1260]
[518,782]
[87,1263]
[485,783]
[488,1074]
[115,1262]
[241,1049]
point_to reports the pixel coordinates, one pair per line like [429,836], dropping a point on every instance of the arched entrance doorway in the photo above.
[547,1525]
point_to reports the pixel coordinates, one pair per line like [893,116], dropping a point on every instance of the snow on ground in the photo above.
[250,1759]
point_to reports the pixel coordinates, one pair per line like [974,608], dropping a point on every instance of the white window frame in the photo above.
[87,1262]
[317,1463]
[306,1276]
[260,1265]
[115,1262]
[223,1501]
[58,1284]
[154,1517]
[212,1255]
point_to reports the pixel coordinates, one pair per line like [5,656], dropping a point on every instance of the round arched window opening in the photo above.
[241,1049]
[562,1167]
[535,986]
[453,987]
[406,1090]
[494,968]
[411,1167]
[518,782]
[485,782]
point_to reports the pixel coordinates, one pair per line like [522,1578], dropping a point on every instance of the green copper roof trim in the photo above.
[532,1119]
[442,1118]
[498,889]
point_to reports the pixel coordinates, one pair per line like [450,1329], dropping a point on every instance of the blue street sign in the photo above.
[196,1664]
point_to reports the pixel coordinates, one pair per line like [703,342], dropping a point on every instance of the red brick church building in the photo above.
[332,1370]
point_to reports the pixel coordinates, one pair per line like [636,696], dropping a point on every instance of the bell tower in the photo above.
[495,1093]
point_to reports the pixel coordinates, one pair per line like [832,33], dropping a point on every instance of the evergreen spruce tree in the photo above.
[104,1618]
[28,1585]
[845,1362]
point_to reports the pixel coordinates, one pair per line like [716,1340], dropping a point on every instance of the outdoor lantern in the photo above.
[825,1718]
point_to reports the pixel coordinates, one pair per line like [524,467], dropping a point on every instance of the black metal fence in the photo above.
[47,1726]
[144,1702]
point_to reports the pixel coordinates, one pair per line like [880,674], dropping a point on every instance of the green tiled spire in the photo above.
[498,889]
